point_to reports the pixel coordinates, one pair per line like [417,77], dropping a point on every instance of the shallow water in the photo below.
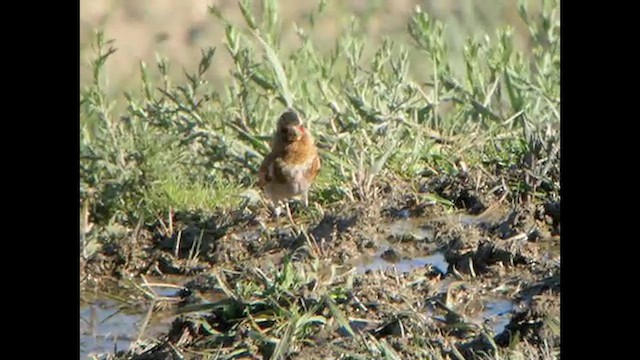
[497,314]
[404,265]
[402,230]
[107,326]
[410,229]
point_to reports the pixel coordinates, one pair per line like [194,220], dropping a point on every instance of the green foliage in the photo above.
[189,144]
[186,144]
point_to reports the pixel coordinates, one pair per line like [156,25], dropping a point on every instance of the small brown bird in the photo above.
[293,163]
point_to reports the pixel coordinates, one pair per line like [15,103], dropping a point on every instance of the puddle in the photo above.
[497,314]
[410,229]
[107,325]
[492,216]
[167,286]
[388,255]
[403,265]
[104,328]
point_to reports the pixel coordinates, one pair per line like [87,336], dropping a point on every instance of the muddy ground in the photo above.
[398,275]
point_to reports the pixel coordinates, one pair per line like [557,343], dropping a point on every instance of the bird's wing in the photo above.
[313,170]
[263,173]
[273,168]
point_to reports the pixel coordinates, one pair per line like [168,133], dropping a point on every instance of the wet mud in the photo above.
[400,272]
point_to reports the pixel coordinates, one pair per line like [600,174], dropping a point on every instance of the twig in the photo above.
[147,318]
[178,244]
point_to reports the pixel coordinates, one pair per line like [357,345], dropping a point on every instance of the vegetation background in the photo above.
[179,99]
[144,147]
[178,30]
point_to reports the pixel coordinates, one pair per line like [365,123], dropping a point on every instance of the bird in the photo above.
[292,165]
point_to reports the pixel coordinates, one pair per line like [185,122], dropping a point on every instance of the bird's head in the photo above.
[290,128]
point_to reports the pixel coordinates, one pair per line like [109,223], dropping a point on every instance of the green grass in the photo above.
[278,313]
[186,144]
[420,104]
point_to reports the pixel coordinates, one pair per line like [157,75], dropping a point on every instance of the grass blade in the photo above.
[272,57]
[340,318]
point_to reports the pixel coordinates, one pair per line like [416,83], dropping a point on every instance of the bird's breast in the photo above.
[291,173]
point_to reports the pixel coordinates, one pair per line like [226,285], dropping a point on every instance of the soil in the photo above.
[500,284]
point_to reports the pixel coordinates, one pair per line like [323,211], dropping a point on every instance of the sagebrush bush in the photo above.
[189,144]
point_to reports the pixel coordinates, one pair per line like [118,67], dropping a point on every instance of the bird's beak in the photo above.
[299,130]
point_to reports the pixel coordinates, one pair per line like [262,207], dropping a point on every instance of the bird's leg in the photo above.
[277,211]
[305,197]
[289,214]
